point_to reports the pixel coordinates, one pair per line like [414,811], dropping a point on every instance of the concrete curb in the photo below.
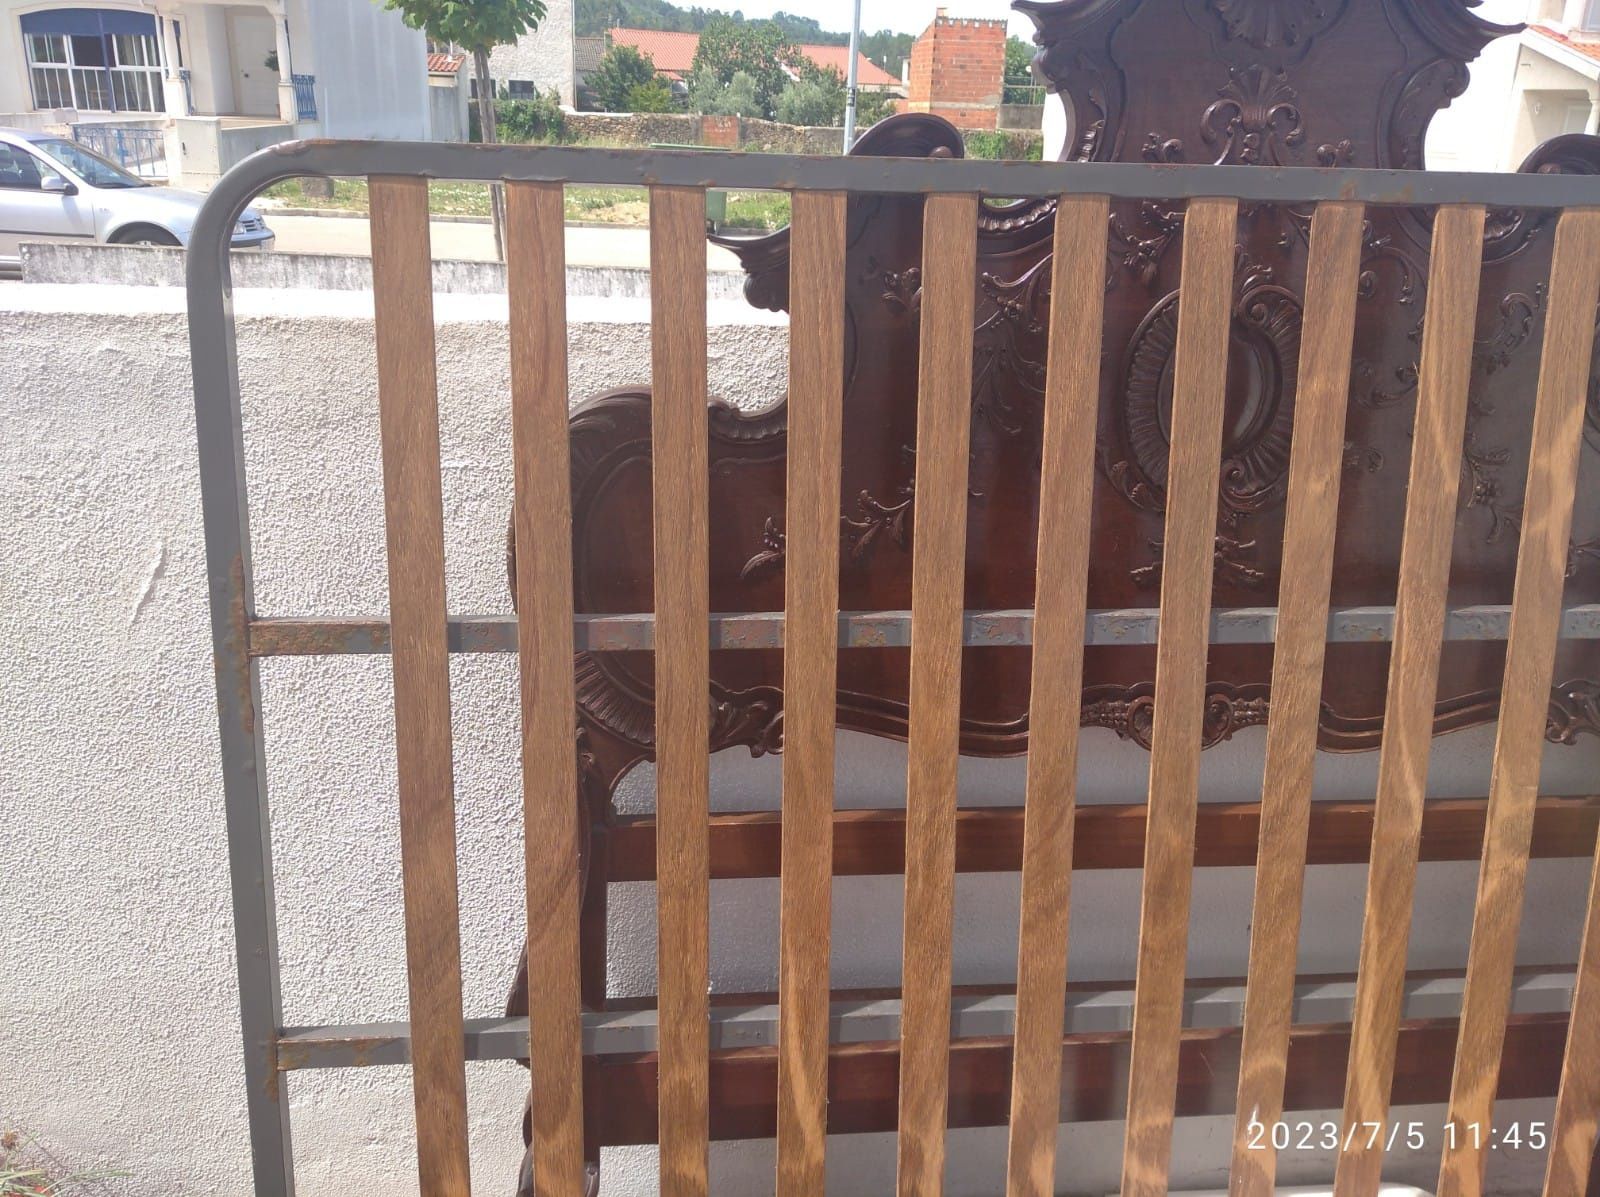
[152,266]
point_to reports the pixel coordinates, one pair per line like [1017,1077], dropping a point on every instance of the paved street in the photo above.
[621,247]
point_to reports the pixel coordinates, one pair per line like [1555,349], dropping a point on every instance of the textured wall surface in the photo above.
[118,1031]
[543,57]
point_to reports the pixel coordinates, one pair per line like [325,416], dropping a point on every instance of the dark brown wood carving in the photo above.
[1245,82]
[1248,82]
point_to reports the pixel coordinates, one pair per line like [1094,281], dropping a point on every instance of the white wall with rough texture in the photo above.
[543,57]
[118,1032]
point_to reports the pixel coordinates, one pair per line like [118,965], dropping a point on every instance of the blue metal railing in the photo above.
[142,152]
[305,96]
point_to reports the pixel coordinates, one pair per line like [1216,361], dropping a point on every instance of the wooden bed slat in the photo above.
[1066,492]
[402,279]
[542,512]
[810,680]
[1577,1118]
[1448,323]
[682,679]
[1316,461]
[871,843]
[938,562]
[863,1077]
[1188,548]
[1530,660]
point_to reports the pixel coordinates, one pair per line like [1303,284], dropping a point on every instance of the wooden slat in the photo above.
[402,281]
[1445,372]
[862,1081]
[682,664]
[1524,705]
[1189,545]
[1577,1118]
[938,563]
[1316,460]
[871,843]
[1066,492]
[810,682]
[542,514]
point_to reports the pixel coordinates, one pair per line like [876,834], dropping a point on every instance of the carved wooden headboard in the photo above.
[1254,83]
[1251,82]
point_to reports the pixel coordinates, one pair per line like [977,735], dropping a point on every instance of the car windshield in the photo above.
[88,165]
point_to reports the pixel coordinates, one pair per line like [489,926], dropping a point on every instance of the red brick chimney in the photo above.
[957,70]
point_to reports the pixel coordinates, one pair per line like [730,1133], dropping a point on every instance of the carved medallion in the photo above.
[1263,364]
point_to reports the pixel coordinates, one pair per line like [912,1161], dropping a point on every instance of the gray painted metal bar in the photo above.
[913,176]
[225,512]
[874,1020]
[881,629]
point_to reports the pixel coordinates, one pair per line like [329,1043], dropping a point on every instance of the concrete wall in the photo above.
[372,77]
[151,266]
[118,1043]
[543,57]
[447,101]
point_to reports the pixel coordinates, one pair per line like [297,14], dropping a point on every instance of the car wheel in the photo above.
[143,234]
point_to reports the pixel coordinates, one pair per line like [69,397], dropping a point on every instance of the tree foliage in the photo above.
[654,96]
[621,71]
[736,97]
[758,48]
[817,99]
[872,107]
[471,24]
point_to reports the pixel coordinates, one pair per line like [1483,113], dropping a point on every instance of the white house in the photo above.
[540,61]
[186,88]
[1557,87]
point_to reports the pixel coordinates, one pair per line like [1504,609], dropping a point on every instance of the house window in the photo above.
[95,60]
[522,89]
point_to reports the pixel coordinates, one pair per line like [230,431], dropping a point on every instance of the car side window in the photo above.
[19,170]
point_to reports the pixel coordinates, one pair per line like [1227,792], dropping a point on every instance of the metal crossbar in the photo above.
[438,1039]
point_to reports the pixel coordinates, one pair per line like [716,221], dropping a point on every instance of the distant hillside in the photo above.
[593,17]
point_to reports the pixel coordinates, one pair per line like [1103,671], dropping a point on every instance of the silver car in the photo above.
[53,189]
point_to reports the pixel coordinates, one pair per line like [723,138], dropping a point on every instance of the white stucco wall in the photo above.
[1472,133]
[118,1039]
[543,56]
[372,77]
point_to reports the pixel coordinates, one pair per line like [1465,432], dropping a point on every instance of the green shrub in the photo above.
[539,119]
[818,100]
[710,95]
[654,96]
[621,70]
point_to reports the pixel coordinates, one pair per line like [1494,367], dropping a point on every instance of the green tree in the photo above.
[1019,85]
[621,70]
[736,97]
[817,99]
[654,96]
[758,48]
[477,26]
[872,107]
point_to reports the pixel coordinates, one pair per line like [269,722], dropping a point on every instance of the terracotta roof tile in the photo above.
[1587,49]
[673,54]
[445,64]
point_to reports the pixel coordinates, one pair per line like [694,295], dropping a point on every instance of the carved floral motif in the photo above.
[1254,117]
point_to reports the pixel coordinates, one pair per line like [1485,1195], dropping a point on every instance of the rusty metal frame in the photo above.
[240,637]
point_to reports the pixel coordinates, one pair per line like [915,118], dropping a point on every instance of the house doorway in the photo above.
[252,40]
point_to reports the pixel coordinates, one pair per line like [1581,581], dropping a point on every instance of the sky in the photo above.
[905,16]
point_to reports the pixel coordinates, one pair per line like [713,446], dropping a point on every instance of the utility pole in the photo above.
[850,81]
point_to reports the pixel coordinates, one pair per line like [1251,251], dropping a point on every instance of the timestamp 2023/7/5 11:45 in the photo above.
[1330,1135]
